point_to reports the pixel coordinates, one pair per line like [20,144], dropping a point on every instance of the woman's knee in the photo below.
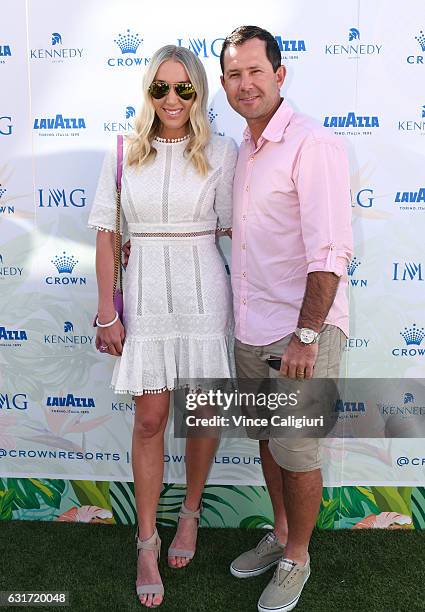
[149,426]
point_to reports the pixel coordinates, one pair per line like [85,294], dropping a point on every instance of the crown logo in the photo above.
[421,39]
[64,263]
[413,335]
[129,112]
[353,34]
[423,111]
[212,115]
[56,39]
[128,43]
[2,191]
[352,266]
[408,398]
[68,327]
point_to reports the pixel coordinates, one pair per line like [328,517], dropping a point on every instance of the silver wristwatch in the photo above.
[306,335]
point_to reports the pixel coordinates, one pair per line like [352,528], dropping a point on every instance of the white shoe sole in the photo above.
[252,573]
[289,606]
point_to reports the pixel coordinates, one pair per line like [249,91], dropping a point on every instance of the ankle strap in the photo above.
[152,543]
[186,513]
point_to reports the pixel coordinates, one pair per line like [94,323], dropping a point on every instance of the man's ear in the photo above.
[222,81]
[280,74]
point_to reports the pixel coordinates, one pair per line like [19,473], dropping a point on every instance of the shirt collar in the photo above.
[276,126]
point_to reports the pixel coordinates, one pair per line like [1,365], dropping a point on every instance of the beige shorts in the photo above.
[297,454]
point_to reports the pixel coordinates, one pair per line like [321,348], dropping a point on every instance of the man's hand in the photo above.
[298,359]
[126,249]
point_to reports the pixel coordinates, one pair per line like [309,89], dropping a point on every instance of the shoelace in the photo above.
[284,568]
[267,542]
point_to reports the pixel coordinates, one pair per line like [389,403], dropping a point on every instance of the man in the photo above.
[291,245]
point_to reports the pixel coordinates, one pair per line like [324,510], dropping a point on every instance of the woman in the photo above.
[176,193]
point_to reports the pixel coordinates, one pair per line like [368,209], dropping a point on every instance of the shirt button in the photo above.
[251,158]
[244,301]
[246,188]
[244,274]
[244,246]
[243,217]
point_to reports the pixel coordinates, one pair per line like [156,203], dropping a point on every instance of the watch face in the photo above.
[307,336]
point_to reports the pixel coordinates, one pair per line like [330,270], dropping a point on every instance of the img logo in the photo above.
[57,52]
[59,125]
[9,271]
[351,123]
[363,198]
[6,126]
[412,337]
[414,125]
[59,198]
[351,269]
[68,339]
[290,48]
[202,47]
[404,198]
[70,404]
[407,271]
[418,59]
[123,125]
[8,401]
[128,44]
[353,48]
[65,265]
[12,337]
[5,52]
[5,209]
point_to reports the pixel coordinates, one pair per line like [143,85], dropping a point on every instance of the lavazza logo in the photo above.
[416,125]
[411,200]
[12,337]
[59,125]
[62,198]
[349,410]
[352,124]
[354,48]
[353,281]
[68,339]
[5,53]
[6,125]
[5,208]
[7,271]
[70,404]
[58,52]
[65,265]
[417,59]
[124,125]
[128,45]
[412,337]
[10,401]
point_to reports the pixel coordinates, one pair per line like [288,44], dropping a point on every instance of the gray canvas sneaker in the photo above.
[284,590]
[259,559]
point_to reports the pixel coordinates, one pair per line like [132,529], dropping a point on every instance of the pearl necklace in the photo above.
[171,140]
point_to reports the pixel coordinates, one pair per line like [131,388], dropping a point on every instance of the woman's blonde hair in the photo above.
[147,123]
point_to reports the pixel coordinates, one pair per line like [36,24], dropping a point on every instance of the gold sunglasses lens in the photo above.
[184,90]
[159,89]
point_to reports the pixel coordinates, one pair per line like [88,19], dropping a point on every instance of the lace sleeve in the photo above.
[224,189]
[103,209]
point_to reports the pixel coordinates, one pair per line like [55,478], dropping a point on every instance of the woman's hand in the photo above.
[111,339]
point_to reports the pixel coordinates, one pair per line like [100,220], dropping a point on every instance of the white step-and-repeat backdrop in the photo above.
[70,76]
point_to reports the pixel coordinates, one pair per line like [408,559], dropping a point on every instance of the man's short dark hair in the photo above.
[244,33]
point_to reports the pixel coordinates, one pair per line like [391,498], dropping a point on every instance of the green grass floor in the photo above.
[373,571]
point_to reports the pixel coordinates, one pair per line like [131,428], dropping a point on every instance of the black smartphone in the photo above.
[274,362]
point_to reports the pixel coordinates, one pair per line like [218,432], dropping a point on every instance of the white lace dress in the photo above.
[177,296]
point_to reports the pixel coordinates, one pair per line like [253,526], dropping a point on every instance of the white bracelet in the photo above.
[107,324]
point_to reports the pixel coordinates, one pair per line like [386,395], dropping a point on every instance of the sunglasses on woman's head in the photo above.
[160,89]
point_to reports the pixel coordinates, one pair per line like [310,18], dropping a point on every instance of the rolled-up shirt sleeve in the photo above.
[322,180]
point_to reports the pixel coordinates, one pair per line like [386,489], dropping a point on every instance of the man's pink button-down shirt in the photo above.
[291,216]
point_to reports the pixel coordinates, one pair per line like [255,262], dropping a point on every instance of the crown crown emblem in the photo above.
[352,266]
[408,398]
[2,191]
[56,38]
[413,335]
[68,326]
[353,34]
[128,43]
[421,39]
[423,111]
[129,112]
[64,263]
